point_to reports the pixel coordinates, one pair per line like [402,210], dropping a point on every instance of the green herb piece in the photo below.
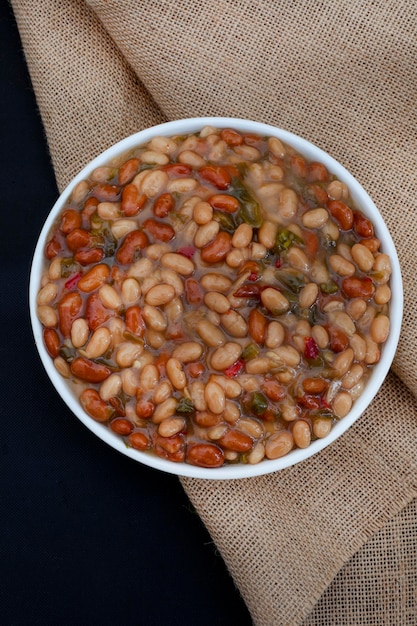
[68,267]
[259,403]
[185,405]
[250,211]
[67,353]
[294,281]
[225,220]
[284,240]
[250,351]
[329,287]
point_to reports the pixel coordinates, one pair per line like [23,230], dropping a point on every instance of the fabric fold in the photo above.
[342,76]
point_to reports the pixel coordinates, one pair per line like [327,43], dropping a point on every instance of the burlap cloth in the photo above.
[332,541]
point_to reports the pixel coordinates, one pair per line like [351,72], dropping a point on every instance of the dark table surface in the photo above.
[87,535]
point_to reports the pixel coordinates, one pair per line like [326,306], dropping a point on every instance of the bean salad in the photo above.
[215,298]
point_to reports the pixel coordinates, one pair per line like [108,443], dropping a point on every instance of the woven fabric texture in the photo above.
[331,541]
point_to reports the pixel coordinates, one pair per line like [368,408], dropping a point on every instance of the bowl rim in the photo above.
[361,199]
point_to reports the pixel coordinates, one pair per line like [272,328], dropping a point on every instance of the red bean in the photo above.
[354,287]
[70,220]
[121,426]
[128,170]
[139,441]
[217,175]
[132,243]
[362,226]
[95,406]
[341,213]
[159,230]
[89,370]
[163,205]
[106,193]
[217,250]
[132,200]
[95,312]
[52,342]
[78,238]
[134,321]
[231,137]
[205,455]
[69,308]
[87,256]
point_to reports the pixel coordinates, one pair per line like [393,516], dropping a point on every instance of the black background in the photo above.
[87,535]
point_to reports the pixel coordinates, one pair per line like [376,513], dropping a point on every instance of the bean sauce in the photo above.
[217,298]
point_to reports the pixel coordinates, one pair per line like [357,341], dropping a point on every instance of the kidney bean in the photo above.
[373,244]
[159,230]
[139,441]
[355,287]
[88,256]
[298,165]
[106,193]
[338,340]
[144,408]
[193,291]
[172,448]
[163,205]
[134,321]
[128,170]
[231,137]
[52,342]
[121,426]
[224,202]
[217,250]
[216,175]
[317,172]
[362,225]
[53,247]
[89,370]
[177,170]
[134,241]
[236,440]
[69,308]
[78,238]
[95,313]
[95,406]
[257,326]
[205,455]
[273,389]
[132,200]
[341,213]
[70,220]
[94,278]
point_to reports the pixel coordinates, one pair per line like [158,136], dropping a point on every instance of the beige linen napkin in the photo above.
[331,541]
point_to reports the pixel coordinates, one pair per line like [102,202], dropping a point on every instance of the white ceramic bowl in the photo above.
[362,201]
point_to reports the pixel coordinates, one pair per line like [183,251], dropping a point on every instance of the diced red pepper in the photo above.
[253,276]
[235,369]
[311,349]
[187,251]
[278,263]
[73,280]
